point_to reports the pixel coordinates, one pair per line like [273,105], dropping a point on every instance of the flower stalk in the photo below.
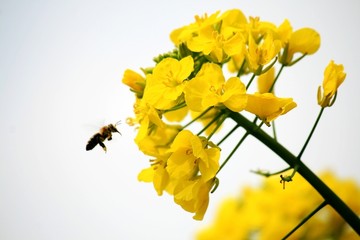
[311,133]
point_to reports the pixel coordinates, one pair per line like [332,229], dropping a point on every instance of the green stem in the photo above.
[274,130]
[240,72]
[228,134]
[311,133]
[211,122]
[330,197]
[323,204]
[223,117]
[198,117]
[267,174]
[233,151]
[250,81]
[276,78]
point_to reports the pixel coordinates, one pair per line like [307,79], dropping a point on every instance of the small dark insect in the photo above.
[103,134]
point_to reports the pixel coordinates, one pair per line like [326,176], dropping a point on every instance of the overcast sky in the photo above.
[61,64]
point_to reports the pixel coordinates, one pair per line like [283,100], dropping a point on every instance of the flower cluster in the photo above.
[192,81]
[267,212]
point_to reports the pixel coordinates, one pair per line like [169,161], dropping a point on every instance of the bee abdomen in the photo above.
[93,141]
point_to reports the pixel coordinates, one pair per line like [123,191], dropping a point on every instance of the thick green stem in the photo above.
[330,197]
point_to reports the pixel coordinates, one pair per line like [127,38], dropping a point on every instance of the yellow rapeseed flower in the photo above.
[216,46]
[268,107]
[208,88]
[183,34]
[147,116]
[190,154]
[334,76]
[193,195]
[165,85]
[156,174]
[258,55]
[217,37]
[304,41]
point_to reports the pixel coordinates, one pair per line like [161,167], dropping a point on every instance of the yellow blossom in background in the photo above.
[166,84]
[233,21]
[183,34]
[236,62]
[269,212]
[208,88]
[217,37]
[258,55]
[258,29]
[334,76]
[268,107]
[266,80]
[177,115]
[255,54]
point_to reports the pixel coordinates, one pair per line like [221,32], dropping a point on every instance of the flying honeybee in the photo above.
[103,134]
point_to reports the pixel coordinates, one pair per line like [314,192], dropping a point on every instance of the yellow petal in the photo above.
[268,107]
[146,175]
[304,40]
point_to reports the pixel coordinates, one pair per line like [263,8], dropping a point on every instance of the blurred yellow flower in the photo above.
[177,115]
[334,76]
[266,80]
[268,107]
[269,212]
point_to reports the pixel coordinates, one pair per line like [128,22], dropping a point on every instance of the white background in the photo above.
[61,64]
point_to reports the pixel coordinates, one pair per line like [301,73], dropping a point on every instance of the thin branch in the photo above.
[311,133]
[323,204]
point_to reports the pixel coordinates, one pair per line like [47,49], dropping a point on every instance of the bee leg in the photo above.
[109,137]
[102,145]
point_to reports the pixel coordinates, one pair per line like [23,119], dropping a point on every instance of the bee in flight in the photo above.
[103,134]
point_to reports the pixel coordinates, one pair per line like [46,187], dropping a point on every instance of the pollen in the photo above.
[189,152]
